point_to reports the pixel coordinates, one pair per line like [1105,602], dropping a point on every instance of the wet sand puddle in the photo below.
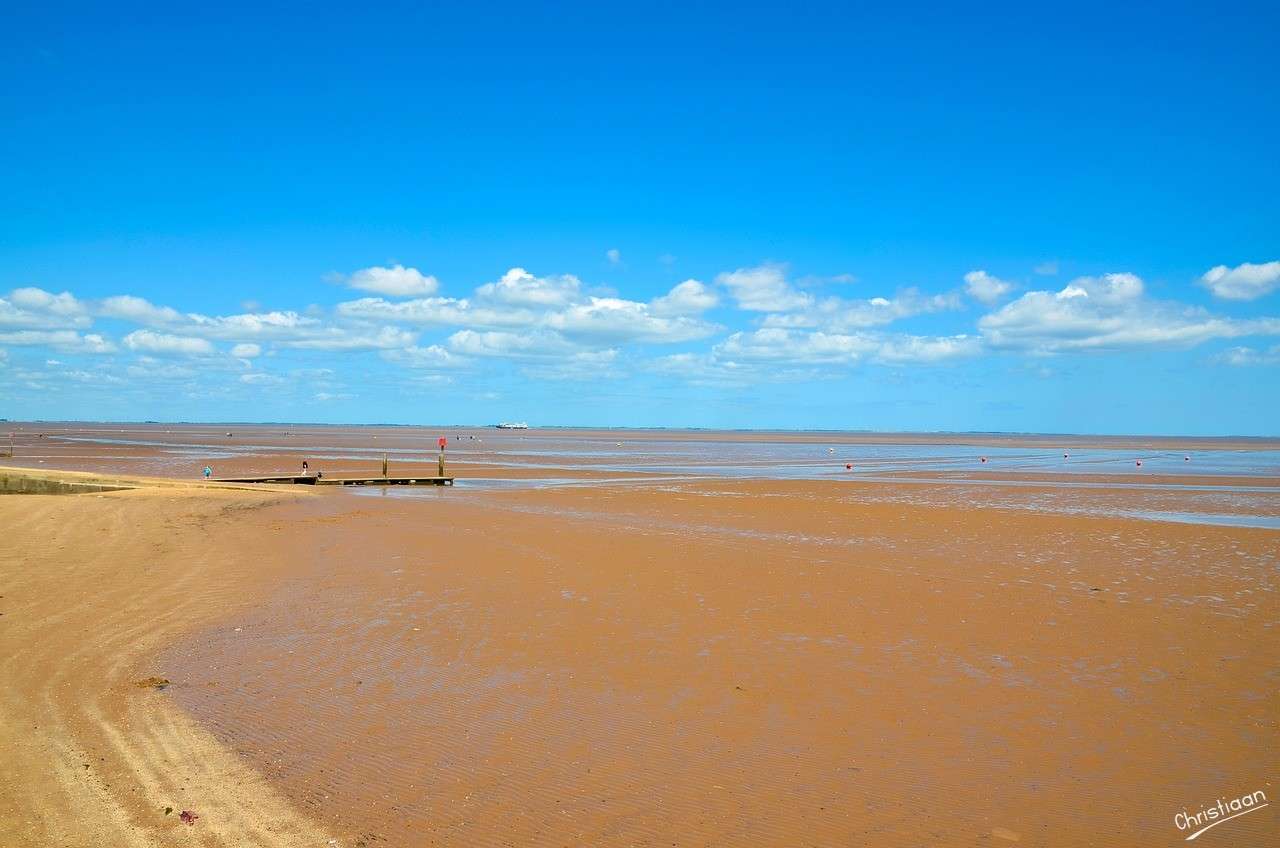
[627,665]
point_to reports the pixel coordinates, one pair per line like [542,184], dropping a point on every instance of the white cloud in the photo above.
[520,300]
[67,341]
[512,345]
[257,378]
[431,356]
[1098,313]
[1247,356]
[64,304]
[797,347]
[614,256]
[1243,282]
[94,378]
[902,350]
[688,298]
[520,288]
[38,309]
[436,311]
[839,315]
[246,351]
[763,288]
[150,369]
[129,308]
[340,338]
[705,369]
[772,344]
[396,281]
[151,342]
[260,325]
[985,288]
[614,319]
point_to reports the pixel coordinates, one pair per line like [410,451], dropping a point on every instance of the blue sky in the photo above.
[707,215]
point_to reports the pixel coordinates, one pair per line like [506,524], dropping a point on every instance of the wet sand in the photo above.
[661,661]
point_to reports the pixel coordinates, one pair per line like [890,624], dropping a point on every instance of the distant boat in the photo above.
[513,425]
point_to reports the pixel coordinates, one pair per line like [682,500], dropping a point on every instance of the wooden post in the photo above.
[384,466]
[441,468]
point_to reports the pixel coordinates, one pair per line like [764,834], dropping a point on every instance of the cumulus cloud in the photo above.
[1243,282]
[1099,313]
[436,311]
[798,347]
[341,338]
[904,350]
[38,309]
[521,300]
[763,288]
[688,298]
[246,351]
[138,310]
[772,344]
[147,341]
[838,314]
[396,281]
[251,325]
[614,319]
[513,345]
[520,288]
[985,288]
[68,341]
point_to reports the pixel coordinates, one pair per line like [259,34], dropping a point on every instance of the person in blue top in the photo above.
[208,471]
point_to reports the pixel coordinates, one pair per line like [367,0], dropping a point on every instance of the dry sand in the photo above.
[702,663]
[92,585]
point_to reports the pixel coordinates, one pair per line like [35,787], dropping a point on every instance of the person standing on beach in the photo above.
[304,468]
[208,471]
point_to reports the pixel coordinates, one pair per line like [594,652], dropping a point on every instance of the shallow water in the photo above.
[730,455]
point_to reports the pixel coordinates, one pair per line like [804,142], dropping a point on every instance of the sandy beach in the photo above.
[672,658]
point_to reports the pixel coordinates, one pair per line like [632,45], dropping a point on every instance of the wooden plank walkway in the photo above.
[312,480]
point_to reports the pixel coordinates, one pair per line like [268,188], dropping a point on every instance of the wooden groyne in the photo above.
[313,480]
